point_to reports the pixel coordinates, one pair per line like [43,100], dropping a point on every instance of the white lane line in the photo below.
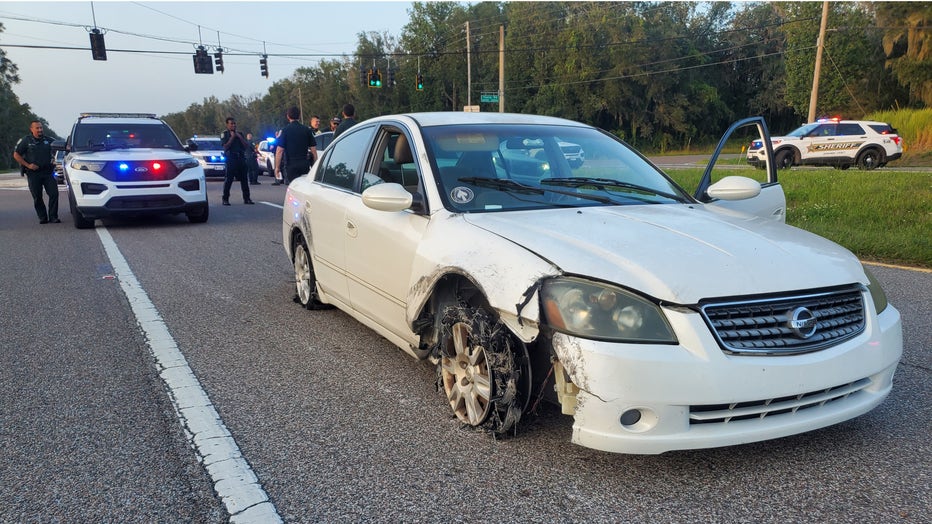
[234,481]
[279,206]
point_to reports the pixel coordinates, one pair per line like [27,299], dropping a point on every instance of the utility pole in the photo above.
[501,69]
[468,69]
[814,97]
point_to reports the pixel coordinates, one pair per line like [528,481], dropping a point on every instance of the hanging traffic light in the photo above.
[218,60]
[202,63]
[363,75]
[419,82]
[264,65]
[391,77]
[98,48]
[375,78]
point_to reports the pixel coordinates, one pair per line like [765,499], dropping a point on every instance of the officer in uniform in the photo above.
[235,147]
[296,146]
[34,153]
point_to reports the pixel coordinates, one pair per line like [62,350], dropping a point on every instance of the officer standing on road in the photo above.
[34,153]
[252,164]
[293,144]
[349,120]
[235,148]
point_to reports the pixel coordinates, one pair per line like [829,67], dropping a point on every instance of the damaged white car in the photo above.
[659,319]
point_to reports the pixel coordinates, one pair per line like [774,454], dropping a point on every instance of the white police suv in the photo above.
[833,142]
[130,164]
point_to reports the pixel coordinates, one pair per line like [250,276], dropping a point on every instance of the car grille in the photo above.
[142,203]
[759,409]
[787,325]
[145,171]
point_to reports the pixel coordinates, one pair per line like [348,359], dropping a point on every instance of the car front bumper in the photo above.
[693,395]
[97,197]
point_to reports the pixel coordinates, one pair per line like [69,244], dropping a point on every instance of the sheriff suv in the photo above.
[130,164]
[833,142]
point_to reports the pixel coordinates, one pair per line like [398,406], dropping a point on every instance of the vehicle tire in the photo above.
[784,159]
[870,159]
[268,169]
[79,221]
[484,371]
[199,216]
[305,283]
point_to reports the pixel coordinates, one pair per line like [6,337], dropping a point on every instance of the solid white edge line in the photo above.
[234,481]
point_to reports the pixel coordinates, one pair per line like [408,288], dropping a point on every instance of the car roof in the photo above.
[456,118]
[111,120]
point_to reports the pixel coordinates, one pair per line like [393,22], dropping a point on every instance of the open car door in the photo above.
[719,186]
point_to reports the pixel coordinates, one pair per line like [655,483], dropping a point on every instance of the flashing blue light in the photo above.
[271,140]
[124,167]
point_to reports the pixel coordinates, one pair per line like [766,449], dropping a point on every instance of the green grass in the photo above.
[880,215]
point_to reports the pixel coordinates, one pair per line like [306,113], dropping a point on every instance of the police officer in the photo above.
[34,153]
[297,146]
[235,147]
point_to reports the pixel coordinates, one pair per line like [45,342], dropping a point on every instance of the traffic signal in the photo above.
[218,60]
[419,82]
[264,65]
[391,77]
[98,49]
[375,78]
[202,63]
[363,75]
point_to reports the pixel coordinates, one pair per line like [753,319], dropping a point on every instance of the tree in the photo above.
[907,44]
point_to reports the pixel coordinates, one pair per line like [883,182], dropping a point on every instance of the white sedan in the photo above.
[658,319]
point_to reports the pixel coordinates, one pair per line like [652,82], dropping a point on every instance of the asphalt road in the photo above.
[340,426]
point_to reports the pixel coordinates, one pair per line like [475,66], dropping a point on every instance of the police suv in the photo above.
[130,164]
[209,152]
[833,142]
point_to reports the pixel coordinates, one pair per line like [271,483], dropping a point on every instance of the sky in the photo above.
[59,84]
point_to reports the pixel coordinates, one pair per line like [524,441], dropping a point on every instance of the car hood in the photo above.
[132,153]
[677,253]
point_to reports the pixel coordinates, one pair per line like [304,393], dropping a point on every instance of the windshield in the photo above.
[208,144]
[104,137]
[804,130]
[509,167]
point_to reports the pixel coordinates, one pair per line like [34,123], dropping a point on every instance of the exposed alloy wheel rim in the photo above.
[467,378]
[302,275]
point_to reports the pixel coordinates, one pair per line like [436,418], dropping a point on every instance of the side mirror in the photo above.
[191,145]
[734,188]
[387,197]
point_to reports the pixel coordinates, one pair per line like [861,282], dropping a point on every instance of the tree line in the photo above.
[660,75]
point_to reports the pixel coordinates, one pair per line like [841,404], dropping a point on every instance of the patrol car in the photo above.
[130,164]
[833,142]
[209,152]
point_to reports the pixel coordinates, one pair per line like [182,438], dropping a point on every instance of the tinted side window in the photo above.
[345,158]
[883,129]
[850,129]
[824,130]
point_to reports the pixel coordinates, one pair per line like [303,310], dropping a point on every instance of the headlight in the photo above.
[599,311]
[88,165]
[185,163]
[877,294]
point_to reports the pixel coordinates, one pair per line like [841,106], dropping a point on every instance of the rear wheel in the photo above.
[79,221]
[784,159]
[483,370]
[870,159]
[305,282]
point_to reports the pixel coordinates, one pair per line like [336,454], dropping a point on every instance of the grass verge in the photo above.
[880,215]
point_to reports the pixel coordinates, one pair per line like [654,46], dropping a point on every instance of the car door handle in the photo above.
[351,229]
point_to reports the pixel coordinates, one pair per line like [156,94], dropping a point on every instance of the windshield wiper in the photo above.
[504,184]
[604,183]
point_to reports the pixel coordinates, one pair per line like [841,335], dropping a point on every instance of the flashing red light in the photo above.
[156,166]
